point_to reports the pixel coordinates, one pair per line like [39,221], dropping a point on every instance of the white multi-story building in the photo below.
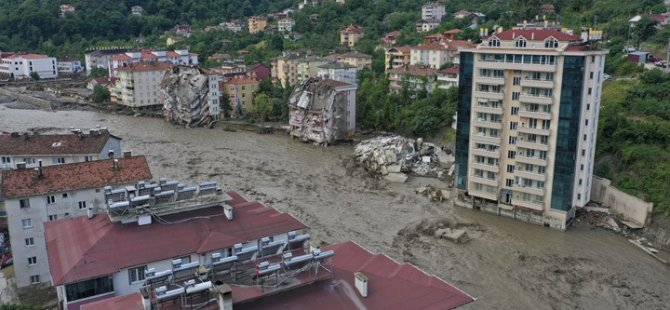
[432,10]
[176,57]
[430,55]
[21,65]
[100,58]
[138,84]
[415,78]
[527,122]
[214,94]
[35,196]
[447,78]
[338,71]
[69,66]
[286,24]
[427,25]
[24,148]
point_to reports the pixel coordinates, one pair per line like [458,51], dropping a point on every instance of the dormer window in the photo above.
[521,42]
[551,43]
[494,42]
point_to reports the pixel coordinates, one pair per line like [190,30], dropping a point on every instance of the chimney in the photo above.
[361,283]
[224,297]
[127,154]
[110,154]
[228,211]
[39,170]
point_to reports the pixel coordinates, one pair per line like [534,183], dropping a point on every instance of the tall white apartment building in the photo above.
[432,10]
[527,122]
[430,55]
[338,71]
[21,65]
[138,84]
[50,193]
[176,57]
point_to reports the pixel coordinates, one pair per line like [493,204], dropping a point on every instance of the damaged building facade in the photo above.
[322,111]
[187,98]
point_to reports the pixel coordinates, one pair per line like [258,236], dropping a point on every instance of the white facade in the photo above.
[427,25]
[69,66]
[446,79]
[432,10]
[19,66]
[138,86]
[338,72]
[214,95]
[433,56]
[100,58]
[176,57]
[286,24]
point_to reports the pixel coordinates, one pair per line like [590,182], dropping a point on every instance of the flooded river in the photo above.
[506,264]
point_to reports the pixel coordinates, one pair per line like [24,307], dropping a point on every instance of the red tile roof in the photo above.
[453,31]
[79,248]
[452,70]
[146,66]
[132,301]
[390,286]
[121,57]
[54,144]
[535,35]
[352,29]
[431,47]
[244,81]
[27,56]
[414,70]
[76,176]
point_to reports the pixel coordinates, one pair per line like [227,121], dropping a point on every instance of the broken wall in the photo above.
[317,112]
[184,94]
[629,207]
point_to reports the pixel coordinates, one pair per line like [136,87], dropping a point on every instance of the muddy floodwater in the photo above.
[505,264]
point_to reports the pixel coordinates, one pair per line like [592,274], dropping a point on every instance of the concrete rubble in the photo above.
[435,194]
[455,235]
[392,156]
[184,96]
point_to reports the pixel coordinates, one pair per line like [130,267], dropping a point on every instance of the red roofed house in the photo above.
[175,57]
[416,77]
[17,148]
[546,86]
[21,65]
[351,34]
[389,39]
[241,92]
[259,72]
[447,78]
[102,81]
[395,57]
[430,55]
[35,196]
[138,84]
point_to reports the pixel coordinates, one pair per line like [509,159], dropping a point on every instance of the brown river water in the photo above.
[505,264]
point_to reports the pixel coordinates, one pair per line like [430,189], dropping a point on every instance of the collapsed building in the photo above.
[322,110]
[185,96]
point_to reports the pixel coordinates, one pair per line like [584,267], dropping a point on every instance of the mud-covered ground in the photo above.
[505,264]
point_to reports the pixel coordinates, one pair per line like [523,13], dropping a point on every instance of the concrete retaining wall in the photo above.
[627,206]
[42,103]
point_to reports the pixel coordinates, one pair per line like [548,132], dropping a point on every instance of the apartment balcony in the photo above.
[487,124]
[483,152]
[490,110]
[481,194]
[490,80]
[484,180]
[486,167]
[530,175]
[530,160]
[532,145]
[489,95]
[515,66]
[528,190]
[528,204]
[485,139]
[537,83]
[536,99]
[535,114]
[536,131]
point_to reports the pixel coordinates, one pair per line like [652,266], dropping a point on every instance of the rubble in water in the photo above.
[394,157]
[184,93]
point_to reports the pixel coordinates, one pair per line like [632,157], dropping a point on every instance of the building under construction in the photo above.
[185,96]
[322,111]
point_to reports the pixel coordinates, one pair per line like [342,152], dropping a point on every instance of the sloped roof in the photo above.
[146,66]
[391,285]
[452,71]
[413,70]
[54,144]
[431,47]
[80,248]
[535,35]
[75,176]
[132,301]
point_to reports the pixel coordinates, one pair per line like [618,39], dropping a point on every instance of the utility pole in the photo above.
[667,58]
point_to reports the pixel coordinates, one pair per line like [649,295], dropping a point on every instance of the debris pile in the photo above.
[322,111]
[184,95]
[394,157]
[434,193]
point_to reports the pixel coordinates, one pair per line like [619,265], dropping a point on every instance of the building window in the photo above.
[579,196]
[583,152]
[32,260]
[82,205]
[515,110]
[551,43]
[591,75]
[87,158]
[521,42]
[510,168]
[64,195]
[30,241]
[34,279]
[515,96]
[584,137]
[6,160]
[541,169]
[53,217]
[588,106]
[511,154]
[24,203]
[590,90]
[513,125]
[581,167]
[512,140]
[580,181]
[136,274]
[88,288]
[51,199]
[516,80]
[27,223]
[509,182]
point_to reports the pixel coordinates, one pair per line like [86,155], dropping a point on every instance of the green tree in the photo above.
[98,72]
[263,106]
[100,94]
[34,76]
[224,104]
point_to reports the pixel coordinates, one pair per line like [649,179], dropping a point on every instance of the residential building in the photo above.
[389,39]
[432,10]
[183,30]
[190,96]
[285,69]
[191,261]
[21,65]
[449,35]
[136,10]
[338,72]
[105,82]
[257,24]
[395,57]
[138,84]
[175,57]
[50,193]
[68,65]
[547,8]
[259,72]
[322,111]
[415,78]
[527,120]
[100,57]
[65,9]
[286,24]
[308,67]
[447,78]
[356,59]
[241,94]
[430,55]
[233,25]
[54,149]
[462,14]
[661,19]
[350,35]
[427,25]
